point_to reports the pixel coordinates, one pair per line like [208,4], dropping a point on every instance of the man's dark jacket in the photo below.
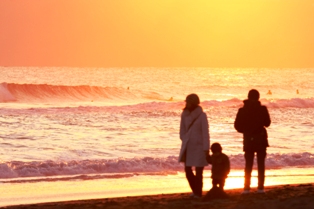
[251,120]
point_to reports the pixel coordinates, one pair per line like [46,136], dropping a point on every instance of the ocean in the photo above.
[81,133]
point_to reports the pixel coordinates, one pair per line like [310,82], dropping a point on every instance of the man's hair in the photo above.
[253,94]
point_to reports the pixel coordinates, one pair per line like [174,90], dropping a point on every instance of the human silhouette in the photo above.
[220,166]
[194,133]
[220,170]
[251,120]
[269,92]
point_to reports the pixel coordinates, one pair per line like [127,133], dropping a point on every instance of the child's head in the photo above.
[216,148]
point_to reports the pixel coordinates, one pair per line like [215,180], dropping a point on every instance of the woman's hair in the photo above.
[192,101]
[190,108]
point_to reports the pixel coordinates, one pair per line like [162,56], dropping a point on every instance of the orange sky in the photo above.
[157,33]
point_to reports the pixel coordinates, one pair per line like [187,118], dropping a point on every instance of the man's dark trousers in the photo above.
[249,160]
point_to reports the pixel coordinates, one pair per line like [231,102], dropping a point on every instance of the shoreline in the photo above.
[282,196]
[26,193]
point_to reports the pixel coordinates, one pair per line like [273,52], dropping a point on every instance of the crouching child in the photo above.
[220,170]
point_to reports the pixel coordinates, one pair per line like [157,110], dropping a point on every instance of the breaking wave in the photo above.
[11,92]
[121,168]
[41,93]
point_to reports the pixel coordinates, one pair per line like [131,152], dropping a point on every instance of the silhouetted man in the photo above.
[251,120]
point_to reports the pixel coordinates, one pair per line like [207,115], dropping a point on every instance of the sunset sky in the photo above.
[157,33]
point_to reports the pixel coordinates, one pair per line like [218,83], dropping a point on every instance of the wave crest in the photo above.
[43,92]
[16,169]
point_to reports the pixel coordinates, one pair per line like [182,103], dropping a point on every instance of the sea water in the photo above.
[78,133]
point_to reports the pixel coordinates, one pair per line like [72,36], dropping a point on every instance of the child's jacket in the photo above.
[220,166]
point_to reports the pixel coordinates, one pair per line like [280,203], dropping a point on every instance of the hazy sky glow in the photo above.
[157,33]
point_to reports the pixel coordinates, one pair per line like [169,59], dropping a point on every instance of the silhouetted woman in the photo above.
[194,133]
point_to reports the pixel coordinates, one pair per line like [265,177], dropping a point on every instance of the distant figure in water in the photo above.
[171,98]
[251,121]
[269,92]
[128,88]
[194,134]
[297,91]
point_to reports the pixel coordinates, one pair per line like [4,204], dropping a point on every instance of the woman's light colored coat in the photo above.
[195,140]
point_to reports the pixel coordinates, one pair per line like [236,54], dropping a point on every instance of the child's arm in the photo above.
[228,165]
[209,159]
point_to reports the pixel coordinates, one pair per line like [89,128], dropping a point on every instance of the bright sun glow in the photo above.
[226,33]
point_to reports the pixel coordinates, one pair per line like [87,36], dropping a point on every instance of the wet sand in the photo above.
[276,197]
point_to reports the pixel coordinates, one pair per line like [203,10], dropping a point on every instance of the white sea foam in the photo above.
[132,166]
[124,121]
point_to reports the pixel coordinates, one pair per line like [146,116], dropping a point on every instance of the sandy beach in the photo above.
[283,197]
